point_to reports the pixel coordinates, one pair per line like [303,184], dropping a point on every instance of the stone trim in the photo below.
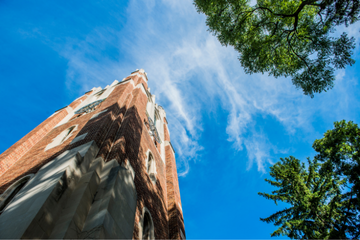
[169,143]
[168,131]
[11,189]
[141,224]
[78,138]
[152,171]
[182,235]
[157,114]
[62,137]
[143,89]
[61,108]
[123,81]
[143,75]
[97,114]
[40,202]
[128,166]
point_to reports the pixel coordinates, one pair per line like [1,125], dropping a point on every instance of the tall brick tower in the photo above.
[102,167]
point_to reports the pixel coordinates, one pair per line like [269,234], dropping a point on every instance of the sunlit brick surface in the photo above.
[120,133]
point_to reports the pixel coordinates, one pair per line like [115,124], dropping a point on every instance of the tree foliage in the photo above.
[324,196]
[286,37]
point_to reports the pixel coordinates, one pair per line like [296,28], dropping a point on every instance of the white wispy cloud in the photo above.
[188,70]
[258,149]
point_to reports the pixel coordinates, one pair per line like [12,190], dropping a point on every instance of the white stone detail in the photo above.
[141,86]
[180,206]
[167,143]
[151,170]
[78,138]
[182,235]
[97,114]
[8,192]
[114,83]
[141,225]
[62,137]
[127,81]
[128,166]
[140,75]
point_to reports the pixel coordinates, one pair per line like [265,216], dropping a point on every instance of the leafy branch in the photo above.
[278,36]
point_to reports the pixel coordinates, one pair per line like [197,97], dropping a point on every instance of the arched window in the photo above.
[146,226]
[67,133]
[11,192]
[149,163]
[151,167]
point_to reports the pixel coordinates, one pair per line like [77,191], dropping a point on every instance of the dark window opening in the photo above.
[149,163]
[98,94]
[67,134]
[146,227]
[12,195]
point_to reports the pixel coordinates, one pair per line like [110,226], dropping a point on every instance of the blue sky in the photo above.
[227,127]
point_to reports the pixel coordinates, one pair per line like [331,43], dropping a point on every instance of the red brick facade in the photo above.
[121,133]
[21,147]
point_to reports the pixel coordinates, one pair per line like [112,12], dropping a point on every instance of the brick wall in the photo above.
[36,156]
[140,79]
[131,143]
[16,151]
[175,216]
[121,134]
[77,102]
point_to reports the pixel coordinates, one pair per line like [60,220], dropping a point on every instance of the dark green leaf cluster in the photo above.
[339,149]
[286,37]
[324,195]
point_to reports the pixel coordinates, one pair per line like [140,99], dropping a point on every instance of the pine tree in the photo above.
[323,196]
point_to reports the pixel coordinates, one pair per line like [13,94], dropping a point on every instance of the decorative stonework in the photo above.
[97,172]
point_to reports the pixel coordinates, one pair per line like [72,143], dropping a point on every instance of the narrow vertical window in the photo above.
[149,163]
[151,168]
[147,226]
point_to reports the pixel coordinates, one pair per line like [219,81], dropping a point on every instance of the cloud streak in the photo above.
[189,71]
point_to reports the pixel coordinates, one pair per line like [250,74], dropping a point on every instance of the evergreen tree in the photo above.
[286,37]
[339,149]
[323,197]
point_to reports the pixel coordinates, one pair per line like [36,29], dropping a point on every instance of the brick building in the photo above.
[102,167]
